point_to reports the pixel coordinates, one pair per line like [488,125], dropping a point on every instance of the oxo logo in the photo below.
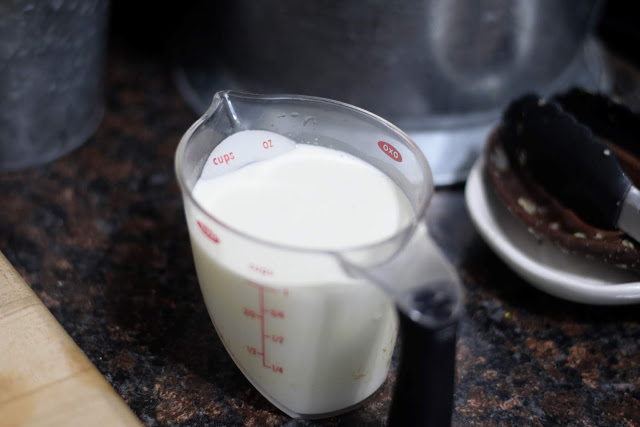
[390,151]
[208,232]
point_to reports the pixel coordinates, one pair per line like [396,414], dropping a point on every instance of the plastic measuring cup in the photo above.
[317,347]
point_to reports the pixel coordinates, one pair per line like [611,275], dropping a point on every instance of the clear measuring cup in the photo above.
[314,330]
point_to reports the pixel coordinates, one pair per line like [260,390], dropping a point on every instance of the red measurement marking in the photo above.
[261,297]
[265,271]
[254,351]
[276,338]
[276,314]
[267,144]
[208,232]
[250,313]
[390,151]
[261,314]
[284,291]
[224,159]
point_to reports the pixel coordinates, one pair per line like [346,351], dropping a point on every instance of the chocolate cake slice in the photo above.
[538,207]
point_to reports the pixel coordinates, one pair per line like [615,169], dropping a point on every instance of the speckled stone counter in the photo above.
[100,235]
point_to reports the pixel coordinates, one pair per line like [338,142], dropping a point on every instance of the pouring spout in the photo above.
[428,297]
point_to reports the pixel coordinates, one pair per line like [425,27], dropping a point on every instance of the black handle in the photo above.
[605,117]
[423,394]
[563,156]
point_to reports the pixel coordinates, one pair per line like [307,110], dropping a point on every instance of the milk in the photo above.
[310,338]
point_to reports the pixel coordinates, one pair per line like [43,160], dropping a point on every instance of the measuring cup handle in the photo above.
[423,394]
[428,296]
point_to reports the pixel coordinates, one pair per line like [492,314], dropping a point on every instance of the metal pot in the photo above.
[440,69]
[51,77]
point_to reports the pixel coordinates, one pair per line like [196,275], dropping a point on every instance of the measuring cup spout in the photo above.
[428,297]
[223,104]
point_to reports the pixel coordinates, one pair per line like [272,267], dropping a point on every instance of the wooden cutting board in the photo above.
[45,379]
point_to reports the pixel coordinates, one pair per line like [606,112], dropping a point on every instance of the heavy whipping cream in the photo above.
[312,339]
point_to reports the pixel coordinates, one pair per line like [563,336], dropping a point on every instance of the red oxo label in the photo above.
[208,232]
[390,151]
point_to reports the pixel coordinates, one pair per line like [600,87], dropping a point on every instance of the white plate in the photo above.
[540,262]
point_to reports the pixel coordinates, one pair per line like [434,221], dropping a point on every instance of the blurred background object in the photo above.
[51,77]
[442,70]
[619,29]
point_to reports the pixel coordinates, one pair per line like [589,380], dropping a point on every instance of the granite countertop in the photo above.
[100,235]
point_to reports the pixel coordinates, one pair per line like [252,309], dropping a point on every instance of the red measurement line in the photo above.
[285,291]
[261,293]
